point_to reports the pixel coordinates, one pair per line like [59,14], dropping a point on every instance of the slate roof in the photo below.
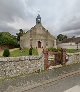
[73,39]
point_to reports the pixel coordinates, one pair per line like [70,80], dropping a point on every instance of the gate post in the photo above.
[45,52]
[63,56]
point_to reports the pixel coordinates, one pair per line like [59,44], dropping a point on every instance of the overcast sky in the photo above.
[58,16]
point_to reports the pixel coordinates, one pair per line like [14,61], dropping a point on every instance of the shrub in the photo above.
[52,49]
[30,51]
[6,53]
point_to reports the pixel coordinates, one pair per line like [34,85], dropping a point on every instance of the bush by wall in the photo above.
[6,53]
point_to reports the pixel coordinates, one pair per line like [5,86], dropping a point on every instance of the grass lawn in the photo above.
[72,50]
[24,52]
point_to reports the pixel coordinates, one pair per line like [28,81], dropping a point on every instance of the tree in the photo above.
[7,39]
[19,34]
[61,37]
[30,51]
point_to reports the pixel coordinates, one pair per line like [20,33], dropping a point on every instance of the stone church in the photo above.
[37,37]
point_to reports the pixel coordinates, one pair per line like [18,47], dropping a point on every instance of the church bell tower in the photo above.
[38,19]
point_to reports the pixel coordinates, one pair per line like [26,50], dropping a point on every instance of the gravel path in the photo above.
[39,51]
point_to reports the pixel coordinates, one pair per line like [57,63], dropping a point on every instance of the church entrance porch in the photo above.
[39,44]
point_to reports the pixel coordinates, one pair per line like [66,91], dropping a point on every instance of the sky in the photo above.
[58,16]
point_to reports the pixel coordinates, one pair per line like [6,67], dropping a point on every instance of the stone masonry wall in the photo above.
[73,58]
[14,66]
[69,45]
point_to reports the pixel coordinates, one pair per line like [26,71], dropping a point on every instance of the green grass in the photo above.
[34,52]
[72,50]
[24,52]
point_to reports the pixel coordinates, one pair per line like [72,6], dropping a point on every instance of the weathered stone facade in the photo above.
[38,37]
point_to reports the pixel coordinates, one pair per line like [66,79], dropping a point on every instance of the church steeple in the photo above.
[38,19]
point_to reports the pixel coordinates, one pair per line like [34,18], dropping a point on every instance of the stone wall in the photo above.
[14,66]
[73,58]
[25,40]
[71,45]
[32,81]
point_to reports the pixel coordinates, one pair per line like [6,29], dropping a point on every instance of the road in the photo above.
[55,80]
[68,84]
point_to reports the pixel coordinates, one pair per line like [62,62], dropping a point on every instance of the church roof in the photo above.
[43,28]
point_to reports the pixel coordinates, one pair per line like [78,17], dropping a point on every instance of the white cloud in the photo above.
[59,16]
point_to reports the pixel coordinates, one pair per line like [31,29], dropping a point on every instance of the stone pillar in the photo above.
[45,52]
[55,46]
[56,58]
[63,51]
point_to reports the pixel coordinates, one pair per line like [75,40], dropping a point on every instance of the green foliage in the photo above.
[72,50]
[6,53]
[54,49]
[7,39]
[34,51]
[30,51]
[19,34]
[61,37]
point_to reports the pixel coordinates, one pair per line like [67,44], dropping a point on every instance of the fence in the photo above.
[54,58]
[60,57]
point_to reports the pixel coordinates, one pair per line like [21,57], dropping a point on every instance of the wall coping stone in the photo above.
[17,59]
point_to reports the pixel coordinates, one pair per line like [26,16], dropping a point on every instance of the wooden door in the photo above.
[39,44]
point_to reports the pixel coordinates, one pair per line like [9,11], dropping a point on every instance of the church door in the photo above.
[39,44]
